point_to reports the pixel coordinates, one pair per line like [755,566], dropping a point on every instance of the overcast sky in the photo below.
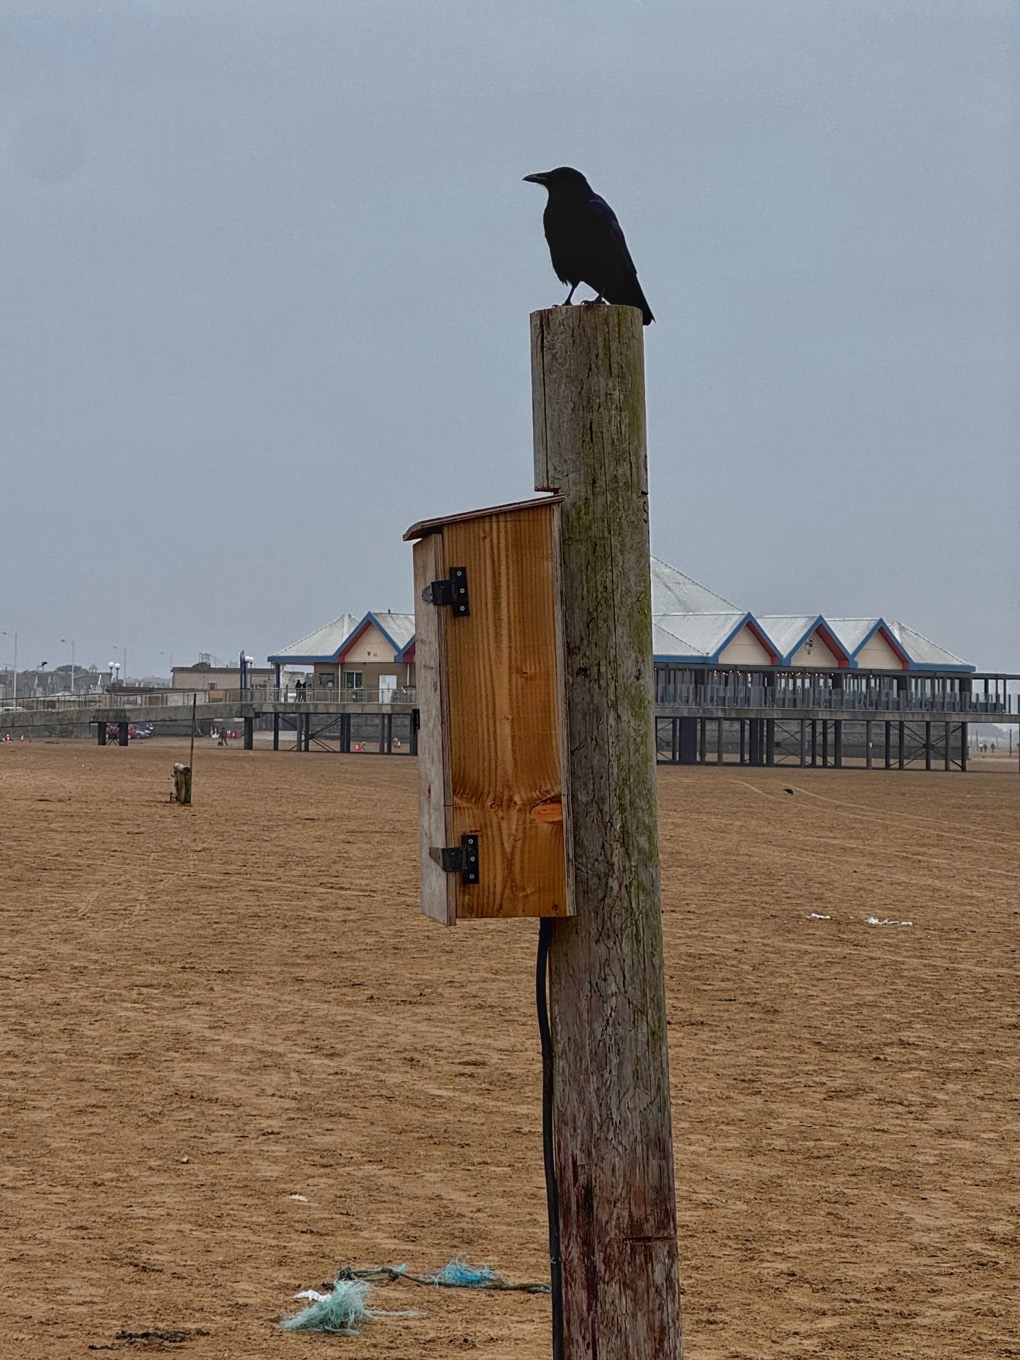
[267,270]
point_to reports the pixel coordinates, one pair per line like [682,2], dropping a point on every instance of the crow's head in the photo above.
[563,181]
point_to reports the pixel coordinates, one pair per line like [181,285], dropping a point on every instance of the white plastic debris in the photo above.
[302,1198]
[813,916]
[874,921]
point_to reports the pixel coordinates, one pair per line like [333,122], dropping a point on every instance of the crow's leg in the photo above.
[569,296]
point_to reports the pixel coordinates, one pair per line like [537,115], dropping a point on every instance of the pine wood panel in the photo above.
[438,889]
[503,701]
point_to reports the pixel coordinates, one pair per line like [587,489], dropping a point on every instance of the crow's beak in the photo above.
[533,179]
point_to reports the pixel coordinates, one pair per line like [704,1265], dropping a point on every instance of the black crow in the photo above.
[586,242]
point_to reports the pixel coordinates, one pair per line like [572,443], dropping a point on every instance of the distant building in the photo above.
[211,675]
[374,653]
[695,628]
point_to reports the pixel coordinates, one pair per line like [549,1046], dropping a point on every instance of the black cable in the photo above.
[552,1194]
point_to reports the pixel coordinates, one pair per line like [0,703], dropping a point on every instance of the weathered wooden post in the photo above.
[613,1147]
[181,792]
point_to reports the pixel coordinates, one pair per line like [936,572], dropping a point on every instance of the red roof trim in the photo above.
[833,645]
[773,656]
[360,631]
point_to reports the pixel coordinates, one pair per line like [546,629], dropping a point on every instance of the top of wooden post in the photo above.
[585,356]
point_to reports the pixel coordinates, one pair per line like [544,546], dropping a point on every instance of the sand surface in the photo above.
[210,1011]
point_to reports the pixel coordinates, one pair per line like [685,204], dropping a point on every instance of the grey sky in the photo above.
[267,271]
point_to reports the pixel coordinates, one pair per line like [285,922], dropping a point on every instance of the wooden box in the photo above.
[490,698]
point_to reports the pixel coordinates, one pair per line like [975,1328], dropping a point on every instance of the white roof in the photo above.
[324,642]
[852,632]
[400,627]
[785,630]
[922,649]
[675,593]
[699,634]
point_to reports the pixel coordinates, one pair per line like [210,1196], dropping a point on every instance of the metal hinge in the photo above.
[453,592]
[458,859]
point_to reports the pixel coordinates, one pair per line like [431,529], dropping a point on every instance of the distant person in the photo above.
[223,737]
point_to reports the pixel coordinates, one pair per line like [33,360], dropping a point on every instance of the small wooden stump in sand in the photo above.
[182,784]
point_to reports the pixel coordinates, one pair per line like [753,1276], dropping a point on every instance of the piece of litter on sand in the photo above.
[340,1312]
[302,1198]
[874,921]
[814,916]
[457,1274]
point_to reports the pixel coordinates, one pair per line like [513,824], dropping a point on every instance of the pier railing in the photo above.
[182,698]
[706,698]
[803,697]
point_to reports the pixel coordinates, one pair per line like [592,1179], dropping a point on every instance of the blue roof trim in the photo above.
[324,660]
[370,617]
[940,669]
[712,658]
[787,660]
[757,628]
[895,643]
[359,627]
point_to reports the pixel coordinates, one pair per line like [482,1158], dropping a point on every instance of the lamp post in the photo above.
[65,642]
[242,669]
[114,672]
[14,696]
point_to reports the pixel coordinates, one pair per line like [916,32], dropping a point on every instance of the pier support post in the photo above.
[123,737]
[249,734]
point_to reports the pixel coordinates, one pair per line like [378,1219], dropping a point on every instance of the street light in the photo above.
[64,641]
[123,652]
[242,669]
[14,696]
[114,666]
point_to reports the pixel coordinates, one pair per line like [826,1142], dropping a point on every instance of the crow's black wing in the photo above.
[587,245]
[621,284]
